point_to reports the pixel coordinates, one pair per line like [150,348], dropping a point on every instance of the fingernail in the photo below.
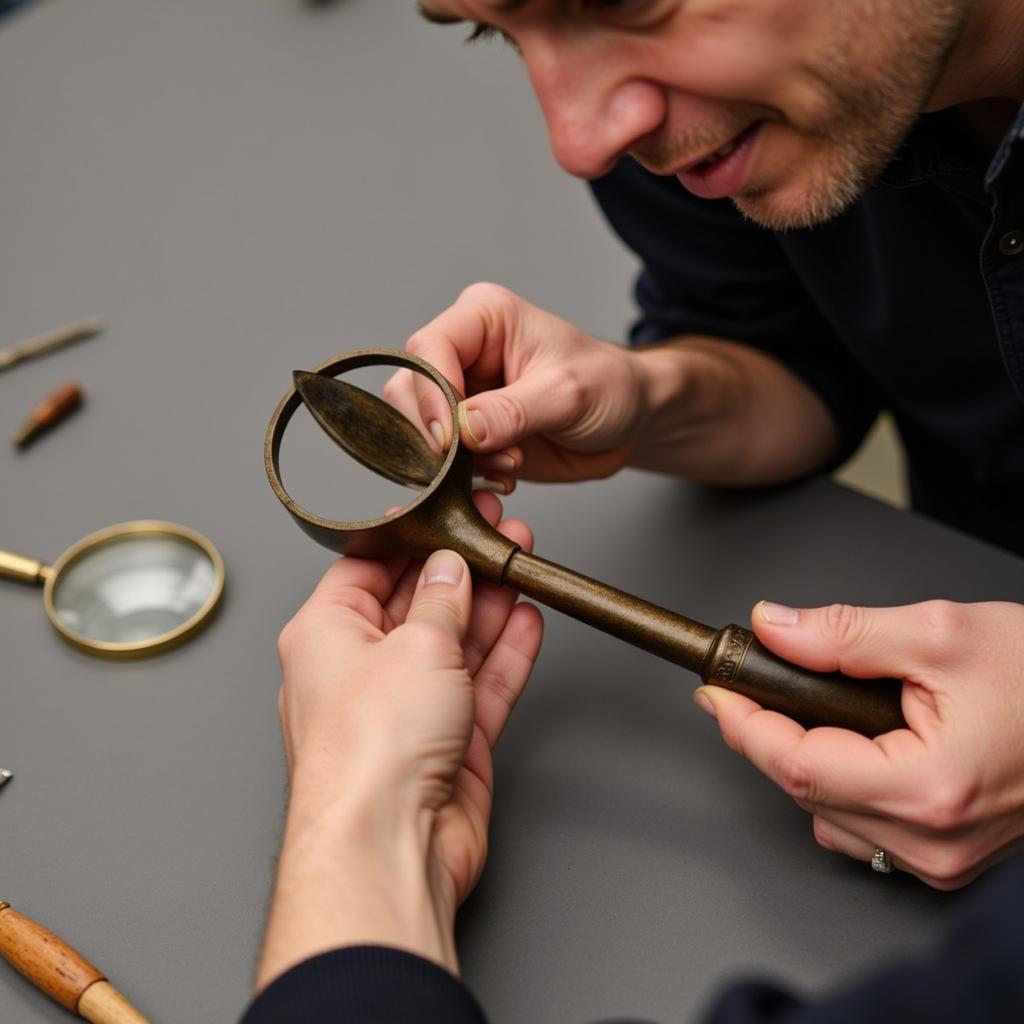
[703,701]
[473,423]
[443,567]
[437,433]
[778,614]
[500,462]
[484,483]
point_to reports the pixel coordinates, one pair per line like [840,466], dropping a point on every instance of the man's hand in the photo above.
[945,797]
[398,680]
[546,401]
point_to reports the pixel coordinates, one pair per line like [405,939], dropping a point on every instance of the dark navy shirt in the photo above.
[974,976]
[912,301]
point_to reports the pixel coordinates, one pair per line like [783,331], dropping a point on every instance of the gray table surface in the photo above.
[243,186]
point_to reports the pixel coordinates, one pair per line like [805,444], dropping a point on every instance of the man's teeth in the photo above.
[719,154]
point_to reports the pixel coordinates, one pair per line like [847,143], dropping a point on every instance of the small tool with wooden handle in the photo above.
[61,972]
[48,342]
[50,411]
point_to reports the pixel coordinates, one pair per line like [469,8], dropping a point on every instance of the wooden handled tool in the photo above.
[50,411]
[48,342]
[61,972]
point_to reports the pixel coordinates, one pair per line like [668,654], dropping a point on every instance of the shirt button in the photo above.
[1012,243]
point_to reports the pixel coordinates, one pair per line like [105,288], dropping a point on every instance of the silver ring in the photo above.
[881,861]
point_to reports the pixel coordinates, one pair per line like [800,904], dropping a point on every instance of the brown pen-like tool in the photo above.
[61,972]
[51,410]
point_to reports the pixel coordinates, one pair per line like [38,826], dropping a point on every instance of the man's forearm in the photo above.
[723,413]
[356,873]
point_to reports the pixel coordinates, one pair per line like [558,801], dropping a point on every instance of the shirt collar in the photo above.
[1014,136]
[939,145]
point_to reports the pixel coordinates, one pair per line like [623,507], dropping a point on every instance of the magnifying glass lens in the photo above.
[133,589]
[386,448]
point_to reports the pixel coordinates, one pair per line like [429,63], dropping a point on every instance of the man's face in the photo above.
[788,107]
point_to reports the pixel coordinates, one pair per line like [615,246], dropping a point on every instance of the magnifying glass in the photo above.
[130,590]
[394,444]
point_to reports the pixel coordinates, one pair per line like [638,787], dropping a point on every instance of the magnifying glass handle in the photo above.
[25,570]
[731,657]
[61,972]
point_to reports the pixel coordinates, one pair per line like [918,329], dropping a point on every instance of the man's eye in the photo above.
[627,10]
[613,5]
[481,31]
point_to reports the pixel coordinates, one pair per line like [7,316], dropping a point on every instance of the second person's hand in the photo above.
[943,797]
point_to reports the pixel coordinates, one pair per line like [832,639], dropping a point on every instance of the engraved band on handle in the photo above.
[739,661]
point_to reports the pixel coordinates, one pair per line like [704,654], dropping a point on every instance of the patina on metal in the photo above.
[443,515]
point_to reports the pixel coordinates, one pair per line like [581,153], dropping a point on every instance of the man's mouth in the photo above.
[706,162]
[725,170]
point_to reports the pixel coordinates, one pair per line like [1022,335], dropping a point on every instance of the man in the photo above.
[884,133]
[825,195]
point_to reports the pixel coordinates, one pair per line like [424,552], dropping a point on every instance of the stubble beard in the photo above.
[863,118]
[867,118]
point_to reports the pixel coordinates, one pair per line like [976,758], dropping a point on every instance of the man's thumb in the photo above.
[539,402]
[443,594]
[863,642]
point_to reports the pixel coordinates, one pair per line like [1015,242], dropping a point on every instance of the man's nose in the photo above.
[595,110]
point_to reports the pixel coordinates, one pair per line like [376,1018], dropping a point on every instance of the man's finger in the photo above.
[543,400]
[500,681]
[831,836]
[467,339]
[473,341]
[443,595]
[433,410]
[492,604]
[400,392]
[397,605]
[359,584]
[824,767]
[867,642]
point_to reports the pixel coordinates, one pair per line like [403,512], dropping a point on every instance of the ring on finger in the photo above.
[881,862]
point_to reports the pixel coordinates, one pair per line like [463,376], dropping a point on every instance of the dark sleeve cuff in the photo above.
[975,976]
[365,985]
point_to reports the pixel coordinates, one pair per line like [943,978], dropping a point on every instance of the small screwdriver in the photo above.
[48,342]
[52,409]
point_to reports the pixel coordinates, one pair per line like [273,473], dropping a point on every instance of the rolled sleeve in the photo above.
[706,270]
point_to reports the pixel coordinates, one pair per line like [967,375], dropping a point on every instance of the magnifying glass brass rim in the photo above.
[325,530]
[113,534]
